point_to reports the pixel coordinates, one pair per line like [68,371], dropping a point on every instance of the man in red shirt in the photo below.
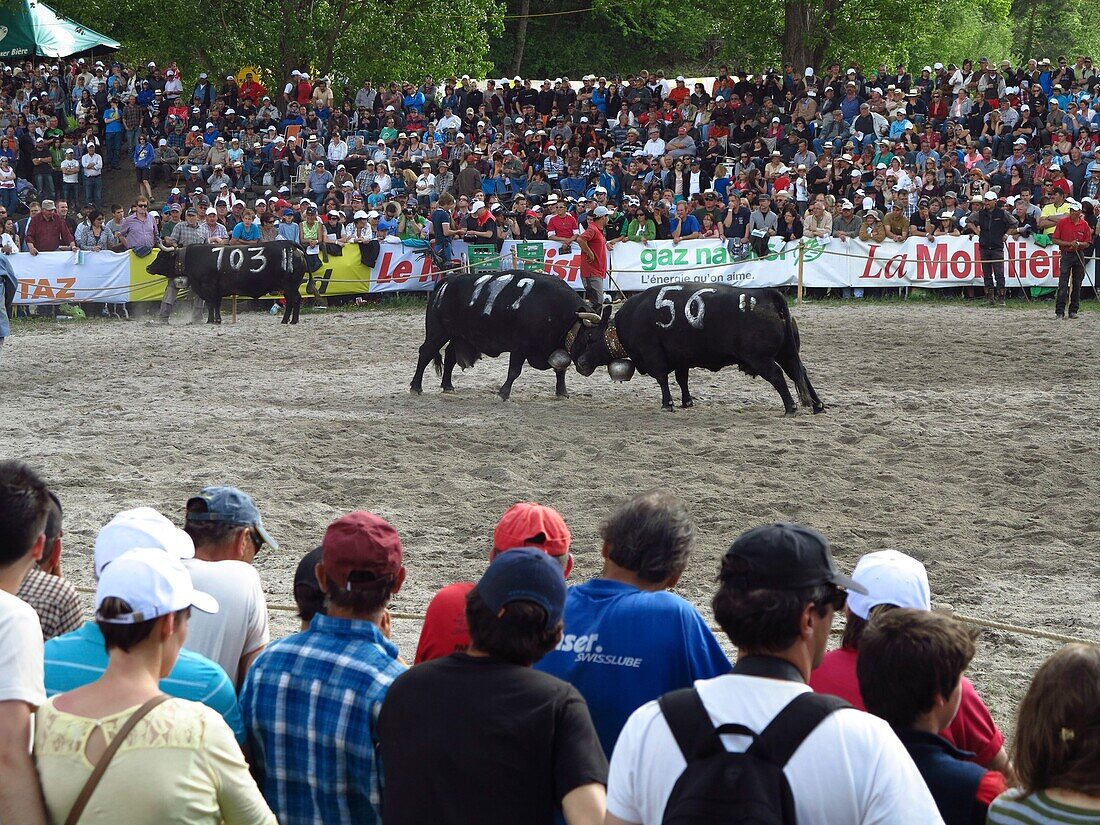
[594,263]
[1074,237]
[562,225]
[46,232]
[524,525]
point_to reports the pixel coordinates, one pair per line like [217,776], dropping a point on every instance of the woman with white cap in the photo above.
[118,749]
[893,579]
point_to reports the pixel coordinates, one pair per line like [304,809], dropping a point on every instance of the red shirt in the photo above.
[444,631]
[562,225]
[48,235]
[597,267]
[1073,228]
[973,728]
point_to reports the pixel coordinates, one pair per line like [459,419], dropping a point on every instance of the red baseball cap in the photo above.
[364,543]
[528,524]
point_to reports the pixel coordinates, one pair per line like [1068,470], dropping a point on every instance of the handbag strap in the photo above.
[109,754]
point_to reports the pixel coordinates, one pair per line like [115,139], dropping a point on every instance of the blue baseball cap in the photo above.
[524,575]
[231,506]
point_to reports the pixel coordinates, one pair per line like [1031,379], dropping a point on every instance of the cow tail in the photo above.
[789,359]
[783,308]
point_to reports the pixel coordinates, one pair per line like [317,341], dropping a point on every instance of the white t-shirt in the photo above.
[852,768]
[21,671]
[240,626]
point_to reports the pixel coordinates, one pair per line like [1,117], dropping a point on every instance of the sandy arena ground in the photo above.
[965,436]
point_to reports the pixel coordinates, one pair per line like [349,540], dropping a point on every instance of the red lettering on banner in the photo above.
[895,267]
[381,268]
[934,265]
[870,262]
[1040,264]
[402,271]
[962,263]
[568,269]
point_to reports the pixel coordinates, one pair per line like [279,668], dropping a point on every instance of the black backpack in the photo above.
[749,788]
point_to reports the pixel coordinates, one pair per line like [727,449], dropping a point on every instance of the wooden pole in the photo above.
[235,308]
[801,264]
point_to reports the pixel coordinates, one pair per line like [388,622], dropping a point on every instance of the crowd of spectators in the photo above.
[528,699]
[839,151]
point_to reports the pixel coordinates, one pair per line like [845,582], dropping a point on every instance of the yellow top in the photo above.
[180,764]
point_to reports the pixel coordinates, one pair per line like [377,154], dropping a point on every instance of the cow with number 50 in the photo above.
[532,316]
[671,328]
[214,272]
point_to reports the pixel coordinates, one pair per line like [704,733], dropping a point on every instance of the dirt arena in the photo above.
[965,436]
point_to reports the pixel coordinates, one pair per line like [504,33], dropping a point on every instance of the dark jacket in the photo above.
[952,779]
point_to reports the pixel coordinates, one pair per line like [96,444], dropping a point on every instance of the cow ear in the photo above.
[605,315]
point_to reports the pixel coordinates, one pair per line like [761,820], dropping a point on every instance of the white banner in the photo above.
[944,262]
[64,277]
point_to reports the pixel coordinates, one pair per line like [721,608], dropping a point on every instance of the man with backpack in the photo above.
[757,744]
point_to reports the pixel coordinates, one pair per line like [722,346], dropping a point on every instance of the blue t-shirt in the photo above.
[623,647]
[691,225]
[79,658]
[246,232]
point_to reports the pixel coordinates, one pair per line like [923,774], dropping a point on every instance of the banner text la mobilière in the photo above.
[60,277]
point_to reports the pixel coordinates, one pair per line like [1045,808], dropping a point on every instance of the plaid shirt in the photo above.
[310,705]
[54,600]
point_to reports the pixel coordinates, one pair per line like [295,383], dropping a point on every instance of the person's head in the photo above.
[527,524]
[514,613]
[24,511]
[308,596]
[890,578]
[778,588]
[143,599]
[1057,741]
[225,523]
[910,667]
[361,565]
[651,536]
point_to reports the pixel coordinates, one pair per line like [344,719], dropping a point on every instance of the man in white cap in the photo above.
[78,658]
[1073,236]
[593,243]
[894,579]
[992,224]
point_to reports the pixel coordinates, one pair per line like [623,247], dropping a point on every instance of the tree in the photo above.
[346,39]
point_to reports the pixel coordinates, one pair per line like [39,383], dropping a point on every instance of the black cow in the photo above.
[674,327]
[216,271]
[531,315]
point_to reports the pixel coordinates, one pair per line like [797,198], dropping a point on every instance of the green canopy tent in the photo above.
[32,29]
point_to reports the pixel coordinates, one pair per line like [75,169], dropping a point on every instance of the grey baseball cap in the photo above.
[230,506]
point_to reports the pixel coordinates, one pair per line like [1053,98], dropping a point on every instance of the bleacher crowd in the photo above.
[882,154]
[528,699]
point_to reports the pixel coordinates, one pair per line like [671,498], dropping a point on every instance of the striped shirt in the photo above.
[310,704]
[184,234]
[1014,808]
[79,658]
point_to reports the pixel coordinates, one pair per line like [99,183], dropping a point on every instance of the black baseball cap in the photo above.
[787,556]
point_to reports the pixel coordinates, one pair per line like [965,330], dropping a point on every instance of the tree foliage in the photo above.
[349,39]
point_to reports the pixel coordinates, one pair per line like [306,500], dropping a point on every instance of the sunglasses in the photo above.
[837,600]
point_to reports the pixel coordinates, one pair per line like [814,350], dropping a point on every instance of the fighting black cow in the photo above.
[214,272]
[530,315]
[675,327]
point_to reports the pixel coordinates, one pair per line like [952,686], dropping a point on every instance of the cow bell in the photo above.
[559,359]
[621,369]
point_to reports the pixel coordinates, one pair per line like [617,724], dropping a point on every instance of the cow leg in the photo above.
[449,359]
[515,367]
[297,305]
[770,372]
[429,351]
[210,307]
[794,368]
[682,379]
[288,312]
[560,390]
[218,312]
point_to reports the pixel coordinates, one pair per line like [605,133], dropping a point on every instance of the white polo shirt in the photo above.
[21,669]
[851,769]
[240,626]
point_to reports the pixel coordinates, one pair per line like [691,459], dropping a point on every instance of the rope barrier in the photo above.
[990,624]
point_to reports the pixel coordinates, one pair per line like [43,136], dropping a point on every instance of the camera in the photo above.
[408,210]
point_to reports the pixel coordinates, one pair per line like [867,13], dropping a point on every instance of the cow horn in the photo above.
[589,318]
[164,248]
